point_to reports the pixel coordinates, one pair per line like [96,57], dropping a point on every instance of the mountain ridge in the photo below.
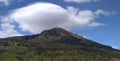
[53,45]
[57,33]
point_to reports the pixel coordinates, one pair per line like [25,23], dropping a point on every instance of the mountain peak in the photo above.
[57,31]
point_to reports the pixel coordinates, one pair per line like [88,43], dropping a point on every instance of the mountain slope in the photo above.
[53,43]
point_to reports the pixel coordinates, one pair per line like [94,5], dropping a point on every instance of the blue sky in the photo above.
[101,26]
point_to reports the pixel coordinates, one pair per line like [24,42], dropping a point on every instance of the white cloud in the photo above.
[116,47]
[80,1]
[95,24]
[102,12]
[39,16]
[7,30]
[5,2]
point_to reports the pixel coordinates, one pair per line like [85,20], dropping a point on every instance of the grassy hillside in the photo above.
[28,51]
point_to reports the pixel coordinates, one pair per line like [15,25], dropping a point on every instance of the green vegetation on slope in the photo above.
[19,51]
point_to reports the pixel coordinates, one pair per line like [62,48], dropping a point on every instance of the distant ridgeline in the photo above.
[55,44]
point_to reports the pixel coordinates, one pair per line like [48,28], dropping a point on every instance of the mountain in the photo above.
[55,44]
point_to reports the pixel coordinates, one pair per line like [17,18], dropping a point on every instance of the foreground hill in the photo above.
[55,44]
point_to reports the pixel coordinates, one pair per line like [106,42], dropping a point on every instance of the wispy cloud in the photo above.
[80,1]
[5,2]
[103,12]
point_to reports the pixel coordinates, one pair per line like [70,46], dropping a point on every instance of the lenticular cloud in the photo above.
[39,16]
